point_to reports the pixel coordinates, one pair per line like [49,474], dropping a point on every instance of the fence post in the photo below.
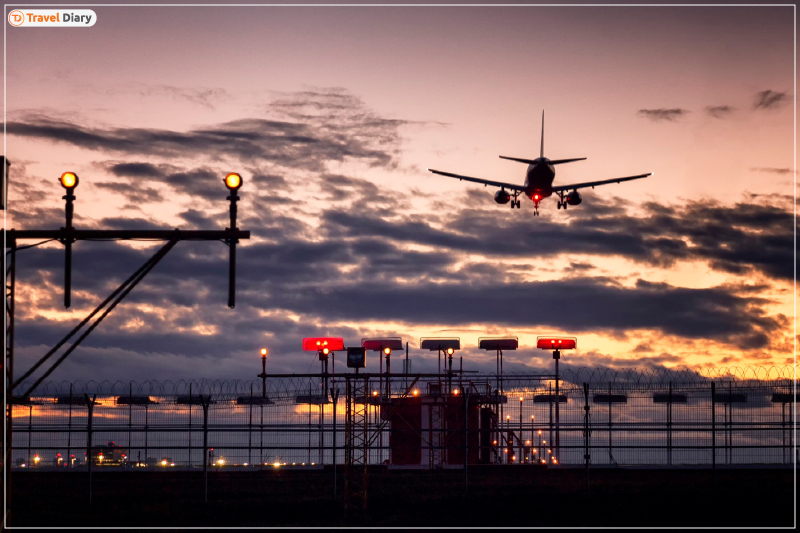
[69,430]
[335,398]
[205,400]
[714,431]
[190,424]
[89,461]
[669,426]
[250,430]
[586,430]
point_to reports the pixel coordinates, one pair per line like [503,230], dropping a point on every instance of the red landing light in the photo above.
[315,344]
[556,343]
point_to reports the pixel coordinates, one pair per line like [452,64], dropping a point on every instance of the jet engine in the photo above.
[502,197]
[574,198]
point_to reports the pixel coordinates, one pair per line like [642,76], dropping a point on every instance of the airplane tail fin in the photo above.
[541,148]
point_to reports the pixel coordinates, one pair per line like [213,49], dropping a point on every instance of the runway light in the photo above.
[540,432]
[263,352]
[36,459]
[374,393]
[163,462]
[528,442]
[494,442]
[233,181]
[520,398]
[415,393]
[172,464]
[69,180]
[221,461]
[450,351]
[508,417]
[455,392]
[387,351]
[276,465]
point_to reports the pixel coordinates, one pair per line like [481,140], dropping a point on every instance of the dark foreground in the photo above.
[497,496]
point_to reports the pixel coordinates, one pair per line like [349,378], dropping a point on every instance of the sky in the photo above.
[332,116]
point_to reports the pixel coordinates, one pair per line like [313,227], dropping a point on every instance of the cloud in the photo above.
[320,127]
[663,114]
[770,99]
[642,347]
[720,111]
[772,170]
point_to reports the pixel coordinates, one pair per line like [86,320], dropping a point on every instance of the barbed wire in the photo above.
[290,386]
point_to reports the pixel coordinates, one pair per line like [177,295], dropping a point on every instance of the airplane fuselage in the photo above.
[539,179]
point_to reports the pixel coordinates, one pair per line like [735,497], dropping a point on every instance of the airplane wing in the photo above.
[593,184]
[478,180]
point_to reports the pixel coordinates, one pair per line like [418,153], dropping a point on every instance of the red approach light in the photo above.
[556,343]
[316,344]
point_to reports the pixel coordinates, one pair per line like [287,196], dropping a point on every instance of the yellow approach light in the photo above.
[263,352]
[233,181]
[69,180]
[387,351]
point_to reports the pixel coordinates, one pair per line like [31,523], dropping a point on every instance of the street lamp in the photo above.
[68,180]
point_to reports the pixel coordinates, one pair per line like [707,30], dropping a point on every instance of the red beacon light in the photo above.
[319,344]
[556,343]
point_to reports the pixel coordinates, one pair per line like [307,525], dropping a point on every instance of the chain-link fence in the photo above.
[630,417]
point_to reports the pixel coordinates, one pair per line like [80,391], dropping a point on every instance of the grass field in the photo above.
[495,496]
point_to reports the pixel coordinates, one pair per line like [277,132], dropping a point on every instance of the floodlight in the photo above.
[233,181]
[69,180]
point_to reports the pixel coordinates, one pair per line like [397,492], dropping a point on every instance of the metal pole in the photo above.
[9,273]
[714,431]
[250,430]
[130,414]
[234,197]
[335,398]
[783,429]
[69,197]
[69,430]
[610,437]
[466,440]
[30,431]
[586,455]
[556,448]
[146,433]
[89,459]
[205,401]
[190,424]
[669,426]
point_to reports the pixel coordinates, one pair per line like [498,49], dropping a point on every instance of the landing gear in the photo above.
[536,208]
[515,202]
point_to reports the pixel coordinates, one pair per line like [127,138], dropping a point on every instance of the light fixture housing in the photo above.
[233,181]
[68,180]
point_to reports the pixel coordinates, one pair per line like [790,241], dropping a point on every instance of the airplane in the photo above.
[539,181]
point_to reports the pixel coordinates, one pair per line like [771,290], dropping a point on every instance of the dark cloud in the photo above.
[663,114]
[203,97]
[133,191]
[772,170]
[578,267]
[642,347]
[735,239]
[770,99]
[321,127]
[720,111]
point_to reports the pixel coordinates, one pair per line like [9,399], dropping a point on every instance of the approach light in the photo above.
[326,351]
[455,392]
[36,459]
[221,461]
[263,352]
[374,393]
[69,180]
[528,442]
[540,432]
[163,462]
[276,465]
[387,351]
[415,393]
[233,181]
[494,442]
[450,351]
[520,398]
[508,417]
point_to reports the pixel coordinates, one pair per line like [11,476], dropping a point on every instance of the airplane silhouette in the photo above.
[539,181]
